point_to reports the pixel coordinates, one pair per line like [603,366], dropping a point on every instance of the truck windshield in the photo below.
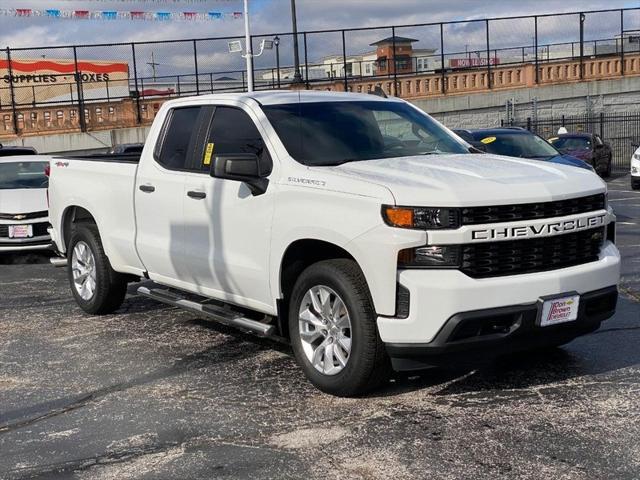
[333,133]
[15,175]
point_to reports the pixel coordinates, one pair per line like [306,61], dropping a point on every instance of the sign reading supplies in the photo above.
[56,81]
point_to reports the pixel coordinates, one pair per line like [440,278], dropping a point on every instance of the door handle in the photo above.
[196,195]
[147,188]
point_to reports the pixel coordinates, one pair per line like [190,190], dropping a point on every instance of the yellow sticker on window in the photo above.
[207,154]
[488,140]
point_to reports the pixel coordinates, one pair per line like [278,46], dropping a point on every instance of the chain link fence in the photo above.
[85,87]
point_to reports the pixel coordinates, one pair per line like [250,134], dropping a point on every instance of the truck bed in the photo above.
[102,184]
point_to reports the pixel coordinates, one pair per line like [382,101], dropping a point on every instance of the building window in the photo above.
[20,118]
[367,69]
[7,122]
[60,115]
[73,114]
[112,111]
[47,119]
[86,114]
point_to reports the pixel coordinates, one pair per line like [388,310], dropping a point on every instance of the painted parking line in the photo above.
[622,199]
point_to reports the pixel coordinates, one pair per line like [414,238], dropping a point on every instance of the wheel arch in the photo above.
[299,255]
[73,214]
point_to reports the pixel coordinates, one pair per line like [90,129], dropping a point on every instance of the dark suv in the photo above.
[12,151]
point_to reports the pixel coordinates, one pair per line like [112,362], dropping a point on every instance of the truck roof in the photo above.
[278,97]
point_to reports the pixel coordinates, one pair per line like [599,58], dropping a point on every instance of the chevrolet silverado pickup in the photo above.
[356,228]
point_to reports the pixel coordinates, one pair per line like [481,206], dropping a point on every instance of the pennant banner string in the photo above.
[118,15]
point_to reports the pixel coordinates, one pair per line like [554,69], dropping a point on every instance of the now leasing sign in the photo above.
[56,81]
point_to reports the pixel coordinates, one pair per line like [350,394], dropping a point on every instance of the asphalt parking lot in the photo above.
[156,393]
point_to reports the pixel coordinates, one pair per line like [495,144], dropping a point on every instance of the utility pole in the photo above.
[297,77]
[248,52]
[153,65]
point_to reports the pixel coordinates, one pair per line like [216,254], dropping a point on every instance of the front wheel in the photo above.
[96,287]
[332,325]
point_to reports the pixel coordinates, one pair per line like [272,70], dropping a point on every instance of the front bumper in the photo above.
[438,295]
[40,241]
[475,337]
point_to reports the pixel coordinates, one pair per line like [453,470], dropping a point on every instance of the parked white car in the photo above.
[635,170]
[24,216]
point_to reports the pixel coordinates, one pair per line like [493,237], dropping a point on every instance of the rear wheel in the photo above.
[607,173]
[96,287]
[332,325]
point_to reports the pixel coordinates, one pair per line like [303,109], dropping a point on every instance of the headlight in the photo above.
[422,218]
[430,256]
[636,156]
[634,169]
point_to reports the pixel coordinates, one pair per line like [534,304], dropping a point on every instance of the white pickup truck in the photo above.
[356,228]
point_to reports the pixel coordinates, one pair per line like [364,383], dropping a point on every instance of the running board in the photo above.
[220,314]
[58,261]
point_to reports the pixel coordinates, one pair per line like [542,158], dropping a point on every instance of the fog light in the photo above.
[430,256]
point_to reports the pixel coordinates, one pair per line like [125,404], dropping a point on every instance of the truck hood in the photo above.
[458,180]
[24,200]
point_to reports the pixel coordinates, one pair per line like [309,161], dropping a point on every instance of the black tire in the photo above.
[607,172]
[110,288]
[368,365]
[635,185]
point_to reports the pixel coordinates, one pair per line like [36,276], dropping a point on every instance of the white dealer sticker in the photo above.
[559,310]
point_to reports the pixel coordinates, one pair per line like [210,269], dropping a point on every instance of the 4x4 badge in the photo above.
[19,217]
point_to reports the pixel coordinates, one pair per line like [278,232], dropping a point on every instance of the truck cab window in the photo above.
[178,137]
[233,132]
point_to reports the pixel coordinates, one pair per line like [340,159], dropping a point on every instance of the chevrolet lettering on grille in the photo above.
[540,229]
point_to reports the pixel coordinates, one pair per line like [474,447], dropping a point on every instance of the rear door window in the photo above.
[178,138]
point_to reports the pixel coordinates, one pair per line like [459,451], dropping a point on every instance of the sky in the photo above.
[274,16]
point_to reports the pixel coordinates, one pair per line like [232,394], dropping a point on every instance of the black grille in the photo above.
[513,257]
[25,216]
[530,211]
[39,230]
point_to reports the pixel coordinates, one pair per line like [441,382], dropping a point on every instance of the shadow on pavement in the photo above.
[26,258]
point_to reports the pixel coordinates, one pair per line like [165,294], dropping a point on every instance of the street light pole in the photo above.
[276,42]
[297,78]
[248,52]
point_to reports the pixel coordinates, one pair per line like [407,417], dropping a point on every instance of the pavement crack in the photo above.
[80,402]
[108,458]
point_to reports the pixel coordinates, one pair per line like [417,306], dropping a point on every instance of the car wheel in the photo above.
[635,185]
[96,287]
[607,172]
[332,326]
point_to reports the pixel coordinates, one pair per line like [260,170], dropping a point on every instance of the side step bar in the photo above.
[58,261]
[214,312]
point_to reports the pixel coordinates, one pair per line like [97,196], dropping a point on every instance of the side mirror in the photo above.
[243,167]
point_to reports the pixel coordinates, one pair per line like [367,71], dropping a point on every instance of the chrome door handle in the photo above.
[147,188]
[196,195]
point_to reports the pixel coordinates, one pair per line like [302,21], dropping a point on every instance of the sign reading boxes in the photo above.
[56,81]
